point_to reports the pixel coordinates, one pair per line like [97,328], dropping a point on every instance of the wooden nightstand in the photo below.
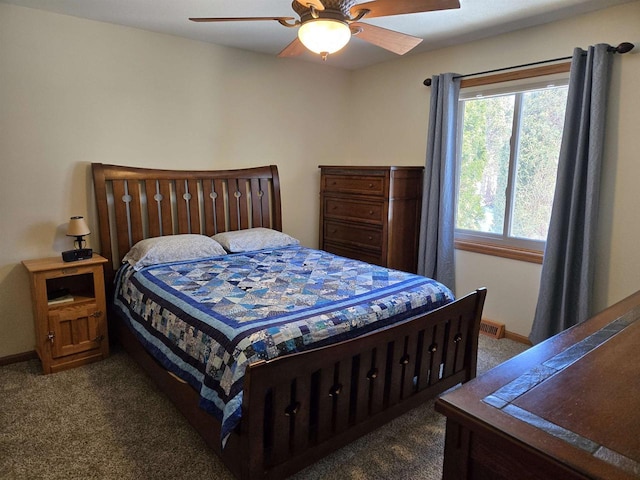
[71,330]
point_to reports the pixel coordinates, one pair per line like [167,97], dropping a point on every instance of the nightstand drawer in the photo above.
[356,235]
[350,209]
[363,185]
[70,271]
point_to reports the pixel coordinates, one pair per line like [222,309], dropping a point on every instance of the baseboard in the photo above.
[18,357]
[516,337]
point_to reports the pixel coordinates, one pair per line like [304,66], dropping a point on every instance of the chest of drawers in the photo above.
[371,214]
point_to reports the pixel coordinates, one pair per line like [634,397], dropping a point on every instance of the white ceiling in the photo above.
[474,20]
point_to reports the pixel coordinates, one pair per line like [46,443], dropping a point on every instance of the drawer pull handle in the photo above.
[335,390]
[292,409]
[99,338]
[370,237]
[371,185]
[96,314]
[370,212]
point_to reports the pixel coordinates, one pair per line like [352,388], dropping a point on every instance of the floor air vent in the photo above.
[492,329]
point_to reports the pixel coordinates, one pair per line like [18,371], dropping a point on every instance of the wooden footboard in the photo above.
[300,407]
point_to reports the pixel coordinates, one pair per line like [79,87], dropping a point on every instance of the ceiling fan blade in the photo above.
[391,40]
[317,4]
[241,19]
[385,8]
[294,49]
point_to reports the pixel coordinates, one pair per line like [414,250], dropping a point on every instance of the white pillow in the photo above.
[172,248]
[253,239]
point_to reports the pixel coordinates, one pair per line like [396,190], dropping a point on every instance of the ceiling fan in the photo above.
[325,26]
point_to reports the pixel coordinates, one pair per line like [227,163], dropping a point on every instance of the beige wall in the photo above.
[74,91]
[391,107]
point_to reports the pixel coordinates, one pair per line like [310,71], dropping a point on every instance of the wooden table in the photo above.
[568,408]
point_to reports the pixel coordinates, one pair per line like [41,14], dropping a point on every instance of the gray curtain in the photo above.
[436,251]
[567,269]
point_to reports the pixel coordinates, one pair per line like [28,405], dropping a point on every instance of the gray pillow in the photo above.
[253,239]
[172,248]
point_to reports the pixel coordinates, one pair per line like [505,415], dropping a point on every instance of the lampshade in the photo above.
[324,35]
[77,227]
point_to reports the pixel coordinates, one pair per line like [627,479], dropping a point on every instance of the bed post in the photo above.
[277,207]
[100,186]
[472,354]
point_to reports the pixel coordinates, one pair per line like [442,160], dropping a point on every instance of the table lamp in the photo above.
[77,228]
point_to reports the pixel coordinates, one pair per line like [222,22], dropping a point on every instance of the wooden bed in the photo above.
[298,408]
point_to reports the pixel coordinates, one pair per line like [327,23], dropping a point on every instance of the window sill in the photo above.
[522,254]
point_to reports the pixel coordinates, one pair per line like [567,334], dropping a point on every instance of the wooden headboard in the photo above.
[137,203]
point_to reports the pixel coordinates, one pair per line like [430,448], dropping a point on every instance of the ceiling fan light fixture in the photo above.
[323,35]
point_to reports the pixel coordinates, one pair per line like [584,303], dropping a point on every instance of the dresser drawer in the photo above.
[350,209]
[356,235]
[363,185]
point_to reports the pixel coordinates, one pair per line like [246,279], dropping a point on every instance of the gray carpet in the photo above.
[108,421]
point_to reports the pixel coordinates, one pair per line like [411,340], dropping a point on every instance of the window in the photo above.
[509,143]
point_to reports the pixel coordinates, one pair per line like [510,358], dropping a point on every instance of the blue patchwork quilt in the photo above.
[206,320]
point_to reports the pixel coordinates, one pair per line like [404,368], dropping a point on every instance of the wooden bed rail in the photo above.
[300,407]
[137,203]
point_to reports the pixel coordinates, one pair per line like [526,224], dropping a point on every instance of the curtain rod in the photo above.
[624,47]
